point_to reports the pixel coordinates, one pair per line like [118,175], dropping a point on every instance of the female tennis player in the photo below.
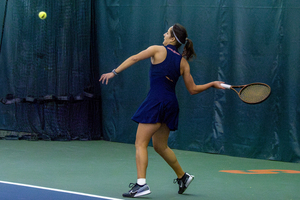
[158,114]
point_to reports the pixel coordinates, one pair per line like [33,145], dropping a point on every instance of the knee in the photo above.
[160,149]
[141,145]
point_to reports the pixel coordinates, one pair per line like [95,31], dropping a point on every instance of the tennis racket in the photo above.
[252,93]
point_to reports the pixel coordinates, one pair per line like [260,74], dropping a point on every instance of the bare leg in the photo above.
[143,136]
[160,144]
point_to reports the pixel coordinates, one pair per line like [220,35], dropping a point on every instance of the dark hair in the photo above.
[181,34]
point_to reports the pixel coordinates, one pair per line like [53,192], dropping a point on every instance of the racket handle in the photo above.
[226,85]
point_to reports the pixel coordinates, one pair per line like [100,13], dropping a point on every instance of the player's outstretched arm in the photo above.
[148,53]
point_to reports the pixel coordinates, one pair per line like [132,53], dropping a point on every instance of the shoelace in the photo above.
[131,185]
[176,180]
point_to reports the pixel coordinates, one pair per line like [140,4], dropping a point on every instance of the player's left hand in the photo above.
[105,77]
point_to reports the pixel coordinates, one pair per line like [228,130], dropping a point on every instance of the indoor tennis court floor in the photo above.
[92,170]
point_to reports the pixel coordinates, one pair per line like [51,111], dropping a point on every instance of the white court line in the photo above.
[57,190]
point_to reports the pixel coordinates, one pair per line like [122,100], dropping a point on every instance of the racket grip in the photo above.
[226,85]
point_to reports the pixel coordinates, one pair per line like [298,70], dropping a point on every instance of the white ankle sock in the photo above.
[141,181]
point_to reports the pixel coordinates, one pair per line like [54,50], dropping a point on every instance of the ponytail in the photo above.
[180,34]
[188,50]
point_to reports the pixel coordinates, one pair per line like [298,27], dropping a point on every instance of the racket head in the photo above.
[255,93]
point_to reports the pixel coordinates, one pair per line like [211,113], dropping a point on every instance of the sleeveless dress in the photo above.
[161,103]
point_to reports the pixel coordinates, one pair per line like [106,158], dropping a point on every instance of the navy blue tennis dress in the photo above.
[161,104]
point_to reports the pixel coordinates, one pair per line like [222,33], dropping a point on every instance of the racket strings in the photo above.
[255,93]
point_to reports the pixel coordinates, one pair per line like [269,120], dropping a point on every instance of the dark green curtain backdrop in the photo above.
[46,69]
[236,41]
[49,71]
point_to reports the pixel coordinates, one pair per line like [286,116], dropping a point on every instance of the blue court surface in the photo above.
[17,191]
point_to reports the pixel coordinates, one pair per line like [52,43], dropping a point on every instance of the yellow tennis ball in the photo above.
[42,15]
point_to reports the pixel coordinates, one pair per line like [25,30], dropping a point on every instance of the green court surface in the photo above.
[106,169]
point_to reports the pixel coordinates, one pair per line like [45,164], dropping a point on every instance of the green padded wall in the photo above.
[236,41]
